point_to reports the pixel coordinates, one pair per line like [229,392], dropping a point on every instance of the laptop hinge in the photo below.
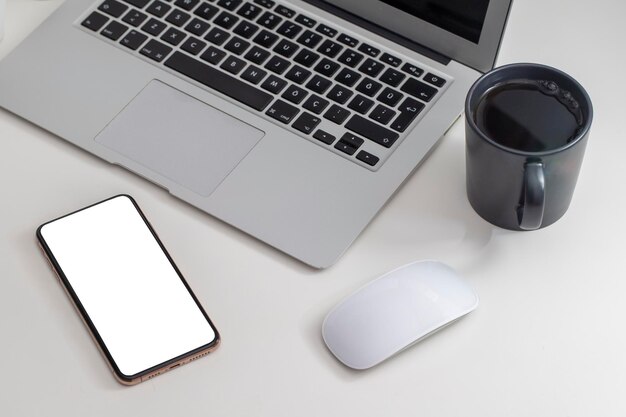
[379,30]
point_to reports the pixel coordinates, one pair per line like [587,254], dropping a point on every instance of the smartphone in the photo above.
[127,289]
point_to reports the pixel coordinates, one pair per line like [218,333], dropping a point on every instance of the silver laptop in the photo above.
[294,121]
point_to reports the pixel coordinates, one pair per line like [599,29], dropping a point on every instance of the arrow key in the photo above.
[367,157]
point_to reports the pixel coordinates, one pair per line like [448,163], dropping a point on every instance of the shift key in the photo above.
[372,131]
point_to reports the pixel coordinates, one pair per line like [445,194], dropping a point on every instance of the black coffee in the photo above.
[529,115]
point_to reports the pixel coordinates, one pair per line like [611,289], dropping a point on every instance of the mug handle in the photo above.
[530,210]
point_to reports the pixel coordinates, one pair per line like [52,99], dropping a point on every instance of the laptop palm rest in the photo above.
[179,137]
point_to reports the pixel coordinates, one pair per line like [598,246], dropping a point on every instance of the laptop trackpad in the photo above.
[179,137]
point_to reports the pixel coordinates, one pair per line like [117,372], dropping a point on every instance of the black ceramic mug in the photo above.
[514,184]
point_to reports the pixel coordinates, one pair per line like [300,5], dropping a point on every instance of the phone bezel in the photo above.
[154,370]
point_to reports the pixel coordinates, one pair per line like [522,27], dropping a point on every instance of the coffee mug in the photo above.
[526,128]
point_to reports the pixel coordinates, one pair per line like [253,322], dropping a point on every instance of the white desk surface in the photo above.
[548,338]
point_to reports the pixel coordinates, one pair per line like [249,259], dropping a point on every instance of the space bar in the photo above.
[219,81]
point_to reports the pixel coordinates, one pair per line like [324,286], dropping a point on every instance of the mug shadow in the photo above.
[431,215]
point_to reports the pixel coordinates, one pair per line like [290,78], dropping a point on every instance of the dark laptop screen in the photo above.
[464,18]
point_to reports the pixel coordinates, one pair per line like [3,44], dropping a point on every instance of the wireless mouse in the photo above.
[395,311]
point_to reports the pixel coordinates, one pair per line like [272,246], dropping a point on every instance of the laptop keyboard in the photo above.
[330,87]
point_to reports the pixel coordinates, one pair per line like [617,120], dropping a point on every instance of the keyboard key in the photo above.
[197,27]
[95,21]
[330,48]
[324,137]
[412,69]
[305,20]
[206,11]
[134,18]
[419,89]
[186,4]
[409,109]
[347,77]
[226,20]
[114,30]
[154,27]
[133,39]
[138,3]
[265,38]
[285,48]
[173,36]
[345,147]
[390,59]
[253,74]
[309,39]
[236,45]
[246,29]
[277,64]
[294,94]
[347,40]
[289,29]
[367,157]
[306,123]
[193,45]
[336,114]
[219,81]
[229,4]
[318,84]
[249,11]
[328,31]
[389,97]
[213,55]
[372,131]
[274,84]
[368,87]
[177,18]
[233,65]
[306,57]
[434,80]
[158,8]
[349,143]
[371,67]
[297,74]
[369,50]
[269,20]
[266,3]
[155,50]
[113,8]
[339,94]
[361,104]
[281,111]
[285,11]
[316,104]
[392,77]
[257,55]
[382,114]
[217,36]
[326,67]
[350,58]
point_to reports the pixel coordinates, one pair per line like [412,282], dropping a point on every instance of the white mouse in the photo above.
[394,311]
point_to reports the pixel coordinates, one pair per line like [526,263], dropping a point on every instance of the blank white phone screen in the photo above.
[137,302]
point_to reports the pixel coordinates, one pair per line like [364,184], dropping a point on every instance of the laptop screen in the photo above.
[462,17]
[467,31]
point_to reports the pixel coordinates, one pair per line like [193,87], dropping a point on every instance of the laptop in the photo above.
[293,121]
